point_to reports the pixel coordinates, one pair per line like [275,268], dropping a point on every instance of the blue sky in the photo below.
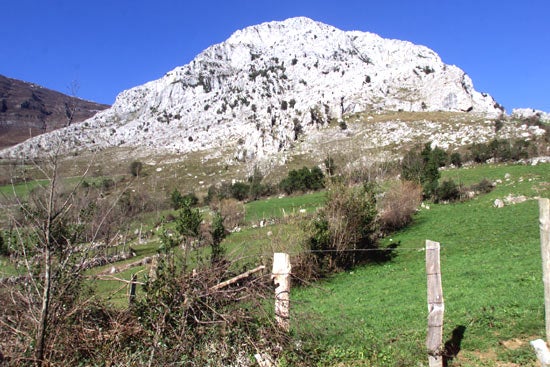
[107,46]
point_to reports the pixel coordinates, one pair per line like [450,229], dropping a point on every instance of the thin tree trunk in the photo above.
[41,332]
[46,292]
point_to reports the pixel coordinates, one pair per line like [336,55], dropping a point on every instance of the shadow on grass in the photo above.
[383,254]
[452,346]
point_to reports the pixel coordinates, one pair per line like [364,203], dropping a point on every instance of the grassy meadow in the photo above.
[491,272]
[375,315]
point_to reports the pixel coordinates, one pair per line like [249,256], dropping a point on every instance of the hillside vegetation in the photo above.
[375,315]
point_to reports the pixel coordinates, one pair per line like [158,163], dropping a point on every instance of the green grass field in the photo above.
[278,207]
[491,270]
[376,314]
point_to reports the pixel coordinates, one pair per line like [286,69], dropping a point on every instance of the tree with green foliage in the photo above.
[188,221]
[176,199]
[430,177]
[187,225]
[423,167]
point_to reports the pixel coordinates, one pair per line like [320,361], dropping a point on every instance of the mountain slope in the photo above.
[28,109]
[267,86]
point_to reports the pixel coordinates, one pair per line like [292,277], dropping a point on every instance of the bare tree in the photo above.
[47,230]
[53,231]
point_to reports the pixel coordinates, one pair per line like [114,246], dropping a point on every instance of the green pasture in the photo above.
[279,207]
[491,271]
[375,315]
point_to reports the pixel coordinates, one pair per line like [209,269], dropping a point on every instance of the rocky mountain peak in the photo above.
[269,85]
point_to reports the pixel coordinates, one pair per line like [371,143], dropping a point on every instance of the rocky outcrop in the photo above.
[267,85]
[529,113]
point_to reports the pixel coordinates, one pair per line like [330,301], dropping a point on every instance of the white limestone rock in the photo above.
[526,113]
[256,92]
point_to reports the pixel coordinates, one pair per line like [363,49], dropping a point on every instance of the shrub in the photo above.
[502,150]
[304,179]
[240,190]
[224,191]
[185,319]
[232,211]
[447,191]
[107,184]
[217,233]
[347,222]
[257,189]
[412,166]
[399,204]
[211,195]
[522,149]
[178,200]
[483,187]
[479,153]
[298,129]
[456,159]
[437,154]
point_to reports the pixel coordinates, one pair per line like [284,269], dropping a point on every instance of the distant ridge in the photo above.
[28,110]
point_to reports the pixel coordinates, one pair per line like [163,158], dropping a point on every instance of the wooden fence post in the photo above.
[153,268]
[281,278]
[132,296]
[541,347]
[436,306]
[544,218]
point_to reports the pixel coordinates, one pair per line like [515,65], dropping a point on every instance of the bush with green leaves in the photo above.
[346,224]
[456,159]
[422,166]
[240,190]
[502,150]
[448,190]
[177,199]
[303,180]
[218,233]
